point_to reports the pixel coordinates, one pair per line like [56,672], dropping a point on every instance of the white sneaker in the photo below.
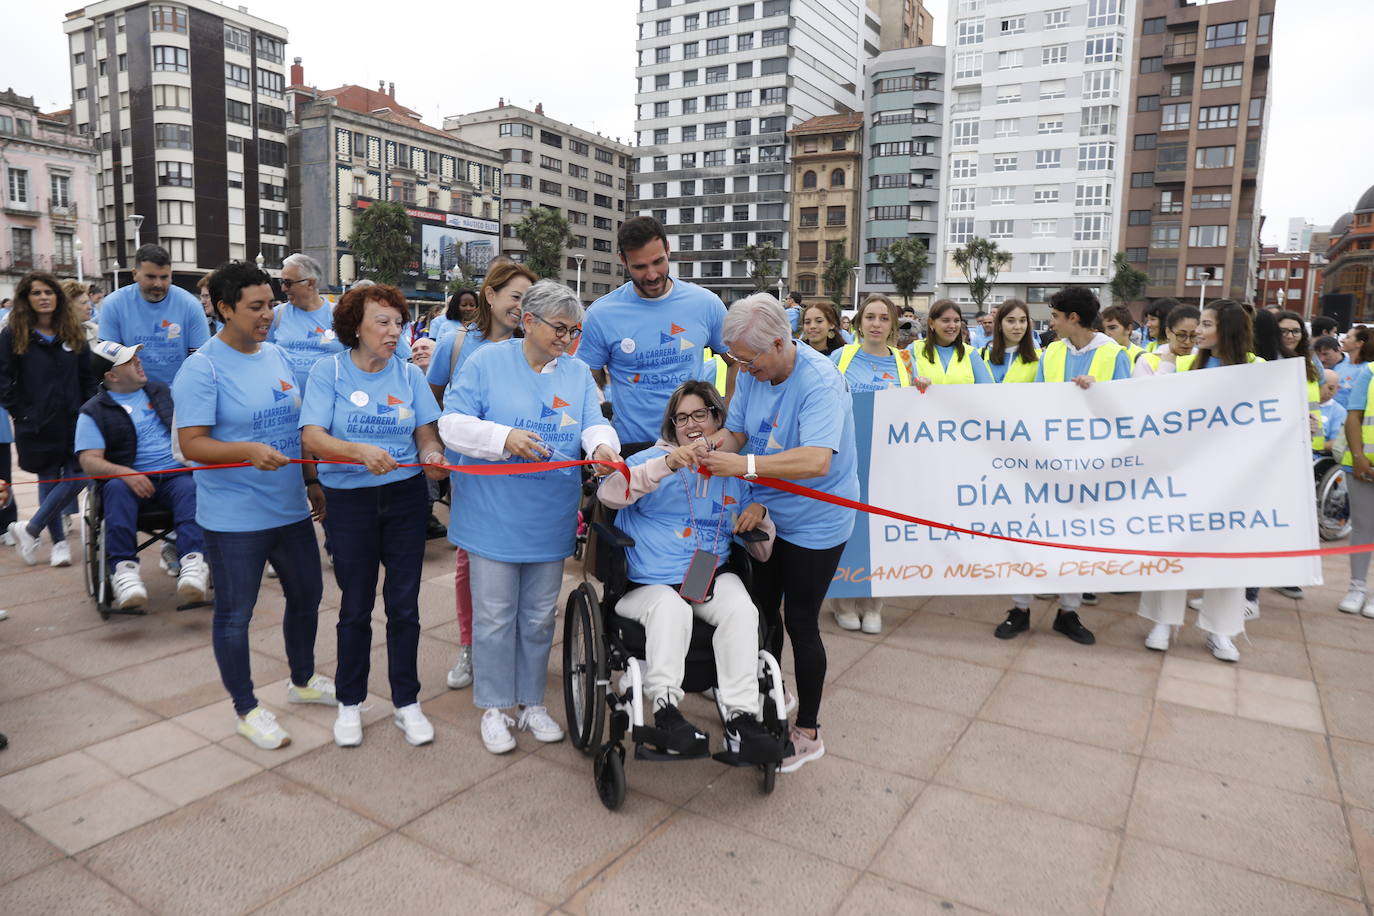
[25,543]
[348,726]
[417,728]
[1251,610]
[496,731]
[789,702]
[61,554]
[460,675]
[8,539]
[873,623]
[261,728]
[1195,603]
[167,559]
[1159,637]
[319,689]
[1368,609]
[1353,601]
[1222,647]
[271,570]
[193,579]
[847,620]
[127,585]
[536,721]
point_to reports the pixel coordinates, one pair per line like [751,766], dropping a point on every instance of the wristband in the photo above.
[750,472]
[313,482]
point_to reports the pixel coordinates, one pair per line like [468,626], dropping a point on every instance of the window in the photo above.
[962,199]
[550,163]
[1215,157]
[1137,255]
[967,66]
[969,32]
[690,50]
[236,39]
[1005,163]
[1212,200]
[965,132]
[689,106]
[717,17]
[963,167]
[1054,54]
[272,118]
[1172,157]
[660,136]
[1142,179]
[59,190]
[1014,26]
[1093,156]
[1251,154]
[744,127]
[1145,141]
[1100,84]
[1210,117]
[1103,13]
[835,216]
[1051,89]
[271,83]
[717,46]
[1004,127]
[960,231]
[273,222]
[1102,49]
[1046,195]
[1175,117]
[714,131]
[1001,229]
[717,74]
[1056,19]
[1225,35]
[1207,236]
[661,81]
[1151,64]
[19,186]
[1088,261]
[1098,121]
[1214,274]
[1009,60]
[837,178]
[174,98]
[174,174]
[744,99]
[233,144]
[1266,23]
[1043,228]
[1222,76]
[1008,95]
[272,153]
[774,96]
[556,189]
[1147,103]
[1164,235]
[714,158]
[773,37]
[1048,158]
[1089,228]
[270,48]
[1256,112]
[1041,262]
[660,163]
[172,136]
[175,60]
[1153,26]
[512,129]
[169,19]
[745,12]
[663,27]
[1053,125]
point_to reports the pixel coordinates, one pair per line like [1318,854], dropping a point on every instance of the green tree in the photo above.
[1128,284]
[981,261]
[382,243]
[545,234]
[906,262]
[765,262]
[839,272]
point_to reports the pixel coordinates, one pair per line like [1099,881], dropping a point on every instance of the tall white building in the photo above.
[1300,230]
[1035,141]
[719,85]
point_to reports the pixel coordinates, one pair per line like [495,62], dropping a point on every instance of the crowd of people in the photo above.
[350,414]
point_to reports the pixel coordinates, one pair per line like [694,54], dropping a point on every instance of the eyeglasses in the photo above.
[560,330]
[698,416]
[1290,332]
[1184,336]
[287,284]
[749,363]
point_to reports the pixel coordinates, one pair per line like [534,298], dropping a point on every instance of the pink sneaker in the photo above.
[804,750]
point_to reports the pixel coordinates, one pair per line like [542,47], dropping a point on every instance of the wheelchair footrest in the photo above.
[194,605]
[645,752]
[127,611]
[655,744]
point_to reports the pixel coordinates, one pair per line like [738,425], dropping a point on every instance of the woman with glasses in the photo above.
[523,398]
[1180,330]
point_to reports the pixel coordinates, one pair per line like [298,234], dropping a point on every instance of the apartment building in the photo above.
[827,167]
[904,23]
[1285,280]
[1348,280]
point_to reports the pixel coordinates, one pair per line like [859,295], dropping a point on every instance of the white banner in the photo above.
[1216,460]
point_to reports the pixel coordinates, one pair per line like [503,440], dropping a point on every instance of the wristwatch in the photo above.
[751,472]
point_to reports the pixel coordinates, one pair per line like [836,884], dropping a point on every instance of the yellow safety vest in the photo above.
[1133,353]
[960,371]
[1185,363]
[1018,371]
[1366,431]
[721,371]
[847,357]
[1102,368]
[1314,409]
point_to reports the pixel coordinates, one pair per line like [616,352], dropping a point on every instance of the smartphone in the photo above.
[701,575]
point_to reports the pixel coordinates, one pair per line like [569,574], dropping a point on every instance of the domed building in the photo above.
[1349,274]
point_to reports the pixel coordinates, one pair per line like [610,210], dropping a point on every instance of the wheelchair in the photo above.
[597,643]
[153,521]
[1333,500]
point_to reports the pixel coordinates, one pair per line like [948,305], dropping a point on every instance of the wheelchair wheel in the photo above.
[770,778]
[1333,505]
[584,669]
[89,546]
[609,771]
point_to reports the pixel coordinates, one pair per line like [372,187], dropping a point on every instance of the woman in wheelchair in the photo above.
[682,524]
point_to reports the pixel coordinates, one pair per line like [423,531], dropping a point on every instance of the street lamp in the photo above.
[1203,276]
[856,292]
[136,221]
[80,273]
[259,260]
[579,258]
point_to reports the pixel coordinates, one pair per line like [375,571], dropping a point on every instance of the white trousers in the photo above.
[1069,602]
[1223,609]
[667,622]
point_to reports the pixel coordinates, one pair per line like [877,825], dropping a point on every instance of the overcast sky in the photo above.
[577,57]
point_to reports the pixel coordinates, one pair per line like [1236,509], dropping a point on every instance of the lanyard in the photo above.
[704,490]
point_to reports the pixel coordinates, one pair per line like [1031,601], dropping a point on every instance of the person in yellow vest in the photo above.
[1359,479]
[1117,324]
[1180,335]
[714,370]
[943,358]
[1083,356]
[1011,355]
[873,364]
[1225,338]
[1156,316]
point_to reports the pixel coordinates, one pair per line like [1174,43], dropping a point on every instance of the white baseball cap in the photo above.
[114,352]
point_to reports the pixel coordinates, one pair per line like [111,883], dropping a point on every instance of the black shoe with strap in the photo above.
[675,734]
[747,740]
[1017,622]
[1067,622]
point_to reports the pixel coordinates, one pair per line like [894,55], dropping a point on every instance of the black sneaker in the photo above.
[435,529]
[746,738]
[1018,621]
[1090,598]
[1067,622]
[680,736]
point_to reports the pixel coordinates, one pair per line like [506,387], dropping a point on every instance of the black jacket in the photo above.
[43,390]
[115,425]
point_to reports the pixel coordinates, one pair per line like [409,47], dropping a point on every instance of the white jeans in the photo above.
[1223,609]
[667,622]
[1067,601]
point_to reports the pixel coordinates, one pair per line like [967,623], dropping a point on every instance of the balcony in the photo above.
[1170,208]
[63,212]
[20,208]
[1180,52]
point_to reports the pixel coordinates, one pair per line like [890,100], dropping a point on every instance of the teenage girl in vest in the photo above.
[873,364]
[1225,338]
[943,358]
[1180,336]
[1155,315]
[821,328]
[1011,356]
[1117,324]
[1359,477]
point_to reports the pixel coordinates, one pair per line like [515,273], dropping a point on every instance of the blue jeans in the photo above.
[370,527]
[512,630]
[55,499]
[237,560]
[120,509]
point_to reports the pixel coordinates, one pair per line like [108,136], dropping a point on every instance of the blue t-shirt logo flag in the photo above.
[402,411]
[172,328]
[279,394]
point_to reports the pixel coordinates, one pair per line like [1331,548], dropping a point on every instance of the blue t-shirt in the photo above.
[526,518]
[794,316]
[1333,418]
[168,330]
[154,440]
[810,408]
[675,520]
[443,355]
[244,397]
[650,346]
[867,372]
[376,408]
[999,370]
[441,327]
[1346,373]
[1076,364]
[308,337]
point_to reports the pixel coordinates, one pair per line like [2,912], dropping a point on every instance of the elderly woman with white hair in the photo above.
[522,398]
[791,418]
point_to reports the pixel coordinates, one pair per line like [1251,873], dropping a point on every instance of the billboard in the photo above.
[447,253]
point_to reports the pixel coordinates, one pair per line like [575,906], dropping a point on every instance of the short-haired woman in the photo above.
[792,418]
[236,401]
[45,377]
[369,406]
[522,398]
